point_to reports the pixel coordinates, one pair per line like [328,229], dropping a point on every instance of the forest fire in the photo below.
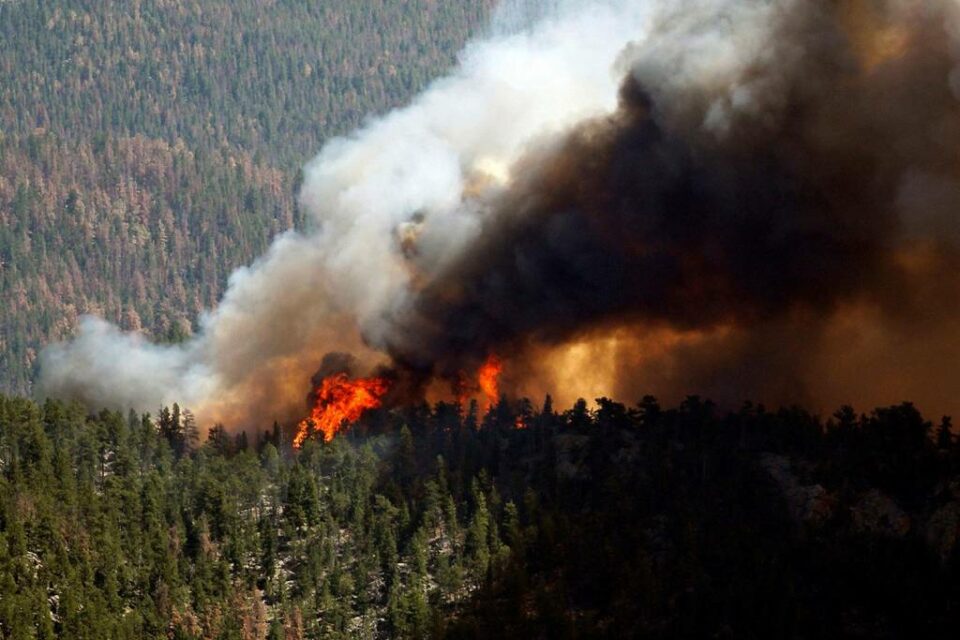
[340,400]
[777,226]
[488,377]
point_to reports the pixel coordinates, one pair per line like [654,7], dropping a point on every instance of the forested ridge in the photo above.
[148,148]
[517,522]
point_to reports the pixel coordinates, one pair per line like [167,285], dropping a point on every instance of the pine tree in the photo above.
[945,434]
[477,542]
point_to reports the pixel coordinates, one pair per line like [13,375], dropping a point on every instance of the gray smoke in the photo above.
[418,176]
[749,199]
[769,174]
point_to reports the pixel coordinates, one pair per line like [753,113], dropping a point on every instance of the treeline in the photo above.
[148,148]
[444,521]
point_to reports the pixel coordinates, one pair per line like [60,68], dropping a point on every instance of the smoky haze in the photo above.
[739,199]
[763,205]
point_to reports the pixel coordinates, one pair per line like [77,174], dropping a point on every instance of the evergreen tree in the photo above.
[945,434]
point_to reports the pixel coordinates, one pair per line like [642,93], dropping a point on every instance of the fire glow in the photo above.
[488,377]
[340,401]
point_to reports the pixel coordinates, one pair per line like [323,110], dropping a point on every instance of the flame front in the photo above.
[489,378]
[340,400]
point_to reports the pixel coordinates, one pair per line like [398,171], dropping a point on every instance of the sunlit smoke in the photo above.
[390,204]
[743,199]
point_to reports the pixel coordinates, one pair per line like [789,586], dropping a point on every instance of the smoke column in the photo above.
[739,199]
[369,194]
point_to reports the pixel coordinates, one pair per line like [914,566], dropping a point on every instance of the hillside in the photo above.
[439,522]
[428,407]
[148,148]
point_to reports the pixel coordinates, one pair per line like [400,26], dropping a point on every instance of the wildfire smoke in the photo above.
[750,196]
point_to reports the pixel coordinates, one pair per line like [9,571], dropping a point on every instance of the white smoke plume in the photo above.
[410,201]
[416,176]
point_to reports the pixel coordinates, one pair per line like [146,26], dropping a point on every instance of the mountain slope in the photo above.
[148,148]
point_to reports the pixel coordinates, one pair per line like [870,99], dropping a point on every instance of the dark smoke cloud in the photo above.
[769,212]
[820,182]
[390,205]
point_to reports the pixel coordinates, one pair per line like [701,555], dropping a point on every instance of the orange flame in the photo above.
[489,378]
[340,400]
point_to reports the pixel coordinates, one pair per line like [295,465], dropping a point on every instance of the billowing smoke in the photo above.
[415,175]
[747,199]
[770,165]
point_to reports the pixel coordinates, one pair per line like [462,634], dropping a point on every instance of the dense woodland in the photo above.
[514,523]
[149,147]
